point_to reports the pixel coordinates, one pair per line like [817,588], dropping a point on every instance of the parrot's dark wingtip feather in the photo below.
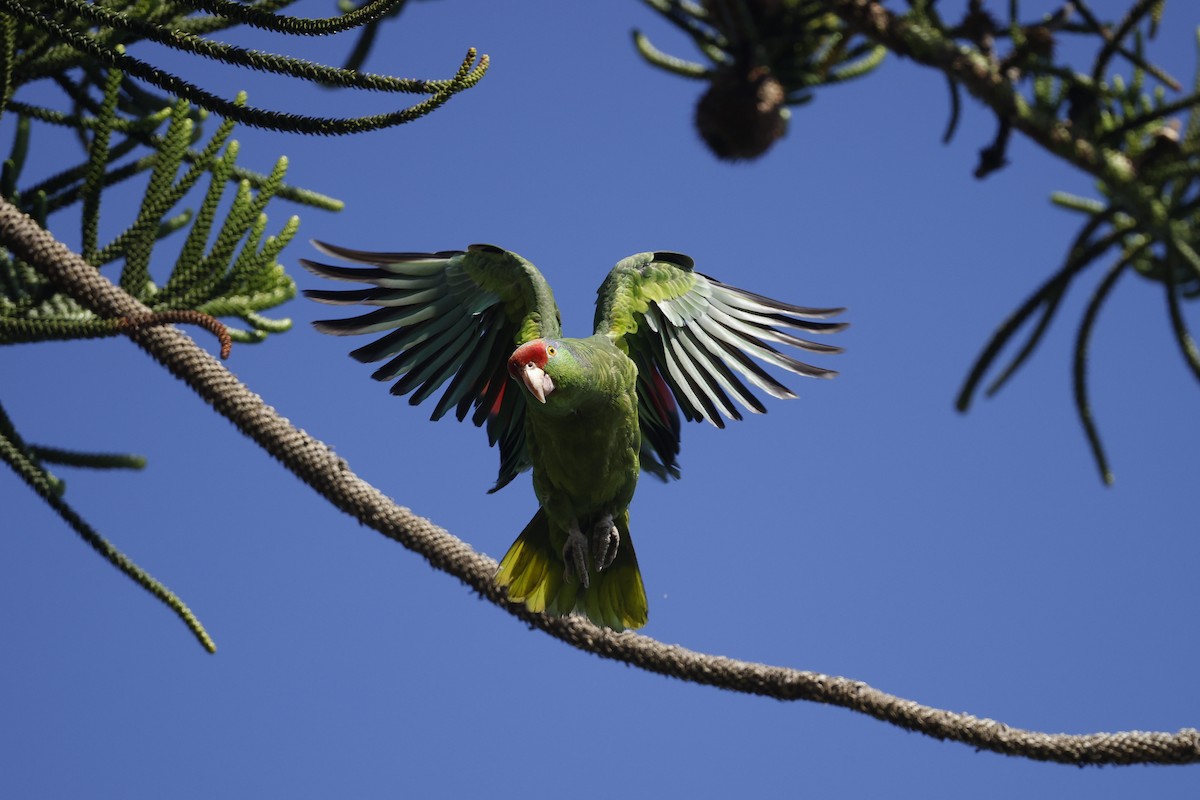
[355,274]
[501,483]
[678,259]
[486,248]
[325,247]
[378,258]
[334,297]
[333,327]
[313,267]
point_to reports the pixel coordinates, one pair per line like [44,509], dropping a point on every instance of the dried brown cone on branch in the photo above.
[742,113]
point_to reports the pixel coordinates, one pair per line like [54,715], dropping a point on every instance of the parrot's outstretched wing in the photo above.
[451,315]
[693,339]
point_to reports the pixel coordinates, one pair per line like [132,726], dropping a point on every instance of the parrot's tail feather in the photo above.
[532,570]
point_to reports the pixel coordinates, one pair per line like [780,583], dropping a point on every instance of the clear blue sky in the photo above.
[974,563]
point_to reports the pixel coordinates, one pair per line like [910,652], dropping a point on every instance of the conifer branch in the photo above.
[1117,129]
[229,54]
[469,73]
[1083,253]
[1112,128]
[74,458]
[26,467]
[205,321]
[1083,402]
[75,46]
[263,19]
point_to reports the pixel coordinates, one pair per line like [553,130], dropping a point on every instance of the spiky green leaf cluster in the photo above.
[226,266]
[198,246]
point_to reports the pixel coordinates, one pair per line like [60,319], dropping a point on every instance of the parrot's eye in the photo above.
[551,350]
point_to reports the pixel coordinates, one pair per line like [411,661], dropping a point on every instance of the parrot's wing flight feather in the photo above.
[695,341]
[449,316]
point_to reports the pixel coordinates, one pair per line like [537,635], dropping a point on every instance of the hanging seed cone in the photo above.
[741,114]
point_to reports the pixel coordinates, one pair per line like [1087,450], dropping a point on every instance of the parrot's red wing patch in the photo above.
[494,411]
[664,401]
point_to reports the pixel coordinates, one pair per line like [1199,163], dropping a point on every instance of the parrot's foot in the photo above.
[605,541]
[574,555]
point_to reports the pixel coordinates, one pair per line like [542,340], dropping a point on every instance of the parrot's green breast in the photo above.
[585,461]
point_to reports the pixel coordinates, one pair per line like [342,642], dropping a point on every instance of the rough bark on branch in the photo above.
[984,80]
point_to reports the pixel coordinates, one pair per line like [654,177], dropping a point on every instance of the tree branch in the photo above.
[315,464]
[984,80]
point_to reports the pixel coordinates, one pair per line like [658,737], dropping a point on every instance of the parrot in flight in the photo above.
[586,415]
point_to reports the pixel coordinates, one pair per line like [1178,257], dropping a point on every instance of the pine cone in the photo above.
[741,114]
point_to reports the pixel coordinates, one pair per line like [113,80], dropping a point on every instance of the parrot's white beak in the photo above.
[537,381]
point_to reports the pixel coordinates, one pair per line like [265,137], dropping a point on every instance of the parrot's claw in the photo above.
[575,556]
[605,541]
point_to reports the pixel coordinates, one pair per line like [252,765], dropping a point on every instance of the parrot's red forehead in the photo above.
[530,352]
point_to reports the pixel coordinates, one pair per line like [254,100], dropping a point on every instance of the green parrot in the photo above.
[586,415]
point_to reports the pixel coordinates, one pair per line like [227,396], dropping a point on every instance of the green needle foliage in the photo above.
[1147,167]
[138,122]
[1148,223]
[1137,133]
